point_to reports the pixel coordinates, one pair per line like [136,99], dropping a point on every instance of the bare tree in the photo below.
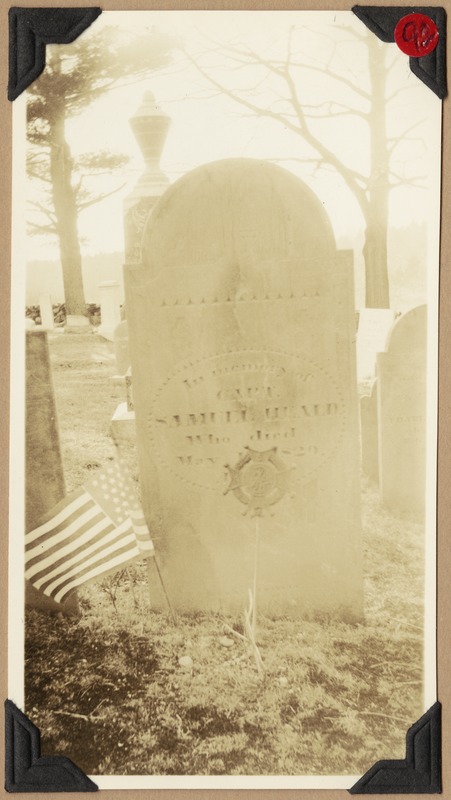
[73,79]
[366,99]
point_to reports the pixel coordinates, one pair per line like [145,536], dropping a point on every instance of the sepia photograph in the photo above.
[224,375]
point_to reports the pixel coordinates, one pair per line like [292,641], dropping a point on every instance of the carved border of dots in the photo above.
[151,413]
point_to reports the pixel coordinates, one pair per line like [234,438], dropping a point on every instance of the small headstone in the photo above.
[368,434]
[110,309]
[373,329]
[123,420]
[242,329]
[46,312]
[44,476]
[121,348]
[401,372]
[123,424]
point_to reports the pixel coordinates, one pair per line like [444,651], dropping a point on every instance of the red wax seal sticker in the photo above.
[416,35]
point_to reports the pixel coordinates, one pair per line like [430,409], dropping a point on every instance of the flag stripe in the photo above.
[51,543]
[55,519]
[114,563]
[92,532]
[140,525]
[102,539]
[126,543]
[80,538]
[146,546]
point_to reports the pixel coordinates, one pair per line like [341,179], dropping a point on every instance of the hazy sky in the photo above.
[207,126]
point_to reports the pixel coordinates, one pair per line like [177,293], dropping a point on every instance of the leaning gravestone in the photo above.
[44,476]
[241,325]
[401,374]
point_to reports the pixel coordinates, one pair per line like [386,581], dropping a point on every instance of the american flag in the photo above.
[96,529]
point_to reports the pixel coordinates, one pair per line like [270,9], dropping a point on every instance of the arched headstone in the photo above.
[241,328]
[401,376]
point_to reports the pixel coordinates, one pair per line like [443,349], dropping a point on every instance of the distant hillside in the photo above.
[45,277]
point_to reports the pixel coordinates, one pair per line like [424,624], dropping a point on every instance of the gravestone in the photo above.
[123,419]
[368,434]
[123,424]
[121,348]
[401,372]
[44,476]
[373,329]
[110,309]
[242,328]
[46,311]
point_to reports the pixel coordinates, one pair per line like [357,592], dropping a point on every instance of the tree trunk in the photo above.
[375,248]
[66,216]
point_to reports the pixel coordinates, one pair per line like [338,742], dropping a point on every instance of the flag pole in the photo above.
[149,583]
[257,548]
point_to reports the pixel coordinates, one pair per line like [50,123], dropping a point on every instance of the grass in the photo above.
[108,690]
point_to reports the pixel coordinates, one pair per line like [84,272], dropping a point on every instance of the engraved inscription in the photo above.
[204,415]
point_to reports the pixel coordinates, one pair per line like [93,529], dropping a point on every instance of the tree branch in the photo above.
[403,181]
[279,68]
[257,110]
[43,210]
[98,198]
[394,141]
[301,129]
[33,174]
[328,106]
[42,228]
[357,175]
[341,78]
[328,155]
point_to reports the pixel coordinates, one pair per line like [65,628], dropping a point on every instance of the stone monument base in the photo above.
[77,323]
[123,423]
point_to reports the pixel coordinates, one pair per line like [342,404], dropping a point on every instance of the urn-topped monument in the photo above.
[241,324]
[150,125]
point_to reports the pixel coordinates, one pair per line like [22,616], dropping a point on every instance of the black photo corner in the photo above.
[26,770]
[430,68]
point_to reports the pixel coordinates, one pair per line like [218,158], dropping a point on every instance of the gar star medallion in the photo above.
[258,480]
